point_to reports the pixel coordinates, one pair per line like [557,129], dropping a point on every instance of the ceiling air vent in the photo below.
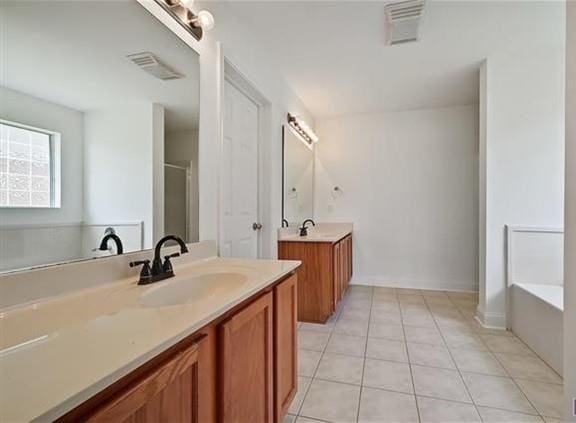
[403,21]
[151,65]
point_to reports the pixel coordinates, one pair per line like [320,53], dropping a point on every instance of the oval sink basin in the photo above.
[187,290]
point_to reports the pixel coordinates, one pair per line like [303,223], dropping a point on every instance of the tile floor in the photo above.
[404,355]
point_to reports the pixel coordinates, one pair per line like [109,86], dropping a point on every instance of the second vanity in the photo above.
[215,343]
[326,256]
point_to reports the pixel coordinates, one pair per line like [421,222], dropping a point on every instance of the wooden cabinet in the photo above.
[323,277]
[285,345]
[242,367]
[246,364]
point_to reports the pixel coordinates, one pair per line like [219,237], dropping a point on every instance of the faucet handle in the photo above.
[145,273]
[167,266]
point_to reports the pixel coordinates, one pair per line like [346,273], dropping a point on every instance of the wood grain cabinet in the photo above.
[323,277]
[247,364]
[285,345]
[240,368]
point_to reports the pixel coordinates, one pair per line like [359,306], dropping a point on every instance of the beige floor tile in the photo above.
[388,375]
[423,335]
[386,349]
[439,383]
[433,293]
[353,314]
[379,306]
[331,401]
[346,344]
[418,320]
[315,341]
[430,355]
[441,411]
[506,344]
[361,303]
[386,317]
[546,397]
[317,327]
[386,330]
[341,368]
[497,392]
[377,406]
[383,290]
[494,415]
[478,328]
[307,420]
[303,384]
[385,297]
[465,341]
[308,362]
[411,299]
[478,362]
[289,418]
[351,327]
[408,291]
[528,367]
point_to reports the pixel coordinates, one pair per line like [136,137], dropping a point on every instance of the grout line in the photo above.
[410,364]
[364,355]
[452,357]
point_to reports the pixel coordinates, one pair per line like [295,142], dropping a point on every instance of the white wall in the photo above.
[524,157]
[28,110]
[181,148]
[409,185]
[29,236]
[119,165]
[570,225]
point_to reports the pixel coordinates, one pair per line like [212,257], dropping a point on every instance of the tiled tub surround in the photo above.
[58,352]
[402,355]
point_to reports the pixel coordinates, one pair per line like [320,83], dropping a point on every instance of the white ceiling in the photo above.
[73,53]
[334,56]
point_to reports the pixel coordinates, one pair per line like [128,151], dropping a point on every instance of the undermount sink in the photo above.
[187,290]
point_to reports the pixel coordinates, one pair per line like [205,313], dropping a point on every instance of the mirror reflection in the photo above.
[99,107]
[298,179]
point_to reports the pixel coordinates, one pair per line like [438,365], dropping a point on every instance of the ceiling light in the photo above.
[204,20]
[305,133]
[182,11]
[187,4]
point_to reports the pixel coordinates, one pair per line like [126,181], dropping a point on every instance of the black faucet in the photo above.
[304,228]
[159,271]
[115,238]
[285,223]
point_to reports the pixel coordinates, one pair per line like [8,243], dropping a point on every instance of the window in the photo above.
[29,167]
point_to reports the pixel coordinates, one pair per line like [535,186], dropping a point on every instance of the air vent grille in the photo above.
[403,21]
[152,66]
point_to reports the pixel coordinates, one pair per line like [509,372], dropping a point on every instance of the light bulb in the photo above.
[187,4]
[205,20]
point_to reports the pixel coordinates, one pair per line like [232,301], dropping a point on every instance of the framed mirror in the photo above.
[297,178]
[99,112]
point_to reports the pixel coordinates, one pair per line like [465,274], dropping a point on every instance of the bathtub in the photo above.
[535,294]
[536,318]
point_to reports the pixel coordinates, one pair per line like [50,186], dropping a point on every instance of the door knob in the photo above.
[256,226]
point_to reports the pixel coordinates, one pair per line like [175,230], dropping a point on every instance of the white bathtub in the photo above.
[536,318]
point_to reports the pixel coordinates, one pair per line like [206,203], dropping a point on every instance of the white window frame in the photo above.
[55,165]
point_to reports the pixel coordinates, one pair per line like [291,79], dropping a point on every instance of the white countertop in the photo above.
[56,354]
[322,232]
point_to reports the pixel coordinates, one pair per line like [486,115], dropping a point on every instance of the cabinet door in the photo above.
[168,393]
[337,282]
[246,364]
[285,345]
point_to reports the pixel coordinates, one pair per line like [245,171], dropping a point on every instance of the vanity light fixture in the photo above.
[302,129]
[182,11]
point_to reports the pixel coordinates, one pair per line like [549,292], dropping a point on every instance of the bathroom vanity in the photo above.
[326,256]
[215,343]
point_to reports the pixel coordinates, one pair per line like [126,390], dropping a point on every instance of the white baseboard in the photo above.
[428,285]
[491,320]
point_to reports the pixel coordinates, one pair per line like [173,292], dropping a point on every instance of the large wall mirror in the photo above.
[99,106]
[298,178]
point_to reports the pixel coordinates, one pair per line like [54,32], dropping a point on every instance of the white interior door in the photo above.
[239,186]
